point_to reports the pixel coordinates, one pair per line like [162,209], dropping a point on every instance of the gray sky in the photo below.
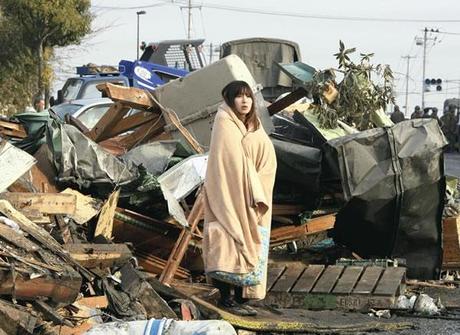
[381,27]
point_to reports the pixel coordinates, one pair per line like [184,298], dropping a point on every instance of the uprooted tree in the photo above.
[38,26]
[364,89]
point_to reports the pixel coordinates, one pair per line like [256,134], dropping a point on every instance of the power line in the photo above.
[324,17]
[289,14]
[127,8]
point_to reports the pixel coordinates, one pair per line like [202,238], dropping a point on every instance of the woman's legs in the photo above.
[224,289]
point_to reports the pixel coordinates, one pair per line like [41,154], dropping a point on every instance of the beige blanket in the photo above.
[238,197]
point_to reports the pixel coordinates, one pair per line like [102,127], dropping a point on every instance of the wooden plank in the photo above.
[292,233]
[48,203]
[156,265]
[99,255]
[142,134]
[94,302]
[12,126]
[86,207]
[391,282]
[308,278]
[368,280]
[286,209]
[328,279]
[451,243]
[286,101]
[274,272]
[114,114]
[104,225]
[39,234]
[131,122]
[288,279]
[129,96]
[17,239]
[348,280]
[61,289]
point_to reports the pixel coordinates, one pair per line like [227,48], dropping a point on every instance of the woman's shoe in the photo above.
[250,310]
[233,307]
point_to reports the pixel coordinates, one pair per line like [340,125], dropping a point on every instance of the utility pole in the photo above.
[407,83]
[189,8]
[425,32]
[425,40]
[189,29]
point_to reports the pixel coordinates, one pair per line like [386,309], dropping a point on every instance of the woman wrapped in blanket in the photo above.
[238,201]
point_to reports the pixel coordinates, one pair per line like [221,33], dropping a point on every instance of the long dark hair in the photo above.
[231,91]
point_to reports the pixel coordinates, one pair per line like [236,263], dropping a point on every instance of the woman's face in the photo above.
[243,103]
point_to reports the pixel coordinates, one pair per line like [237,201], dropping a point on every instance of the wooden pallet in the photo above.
[330,287]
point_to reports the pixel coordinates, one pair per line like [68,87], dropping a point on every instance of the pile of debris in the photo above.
[104,224]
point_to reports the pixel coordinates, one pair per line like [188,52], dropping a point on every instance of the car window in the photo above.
[63,109]
[90,91]
[71,89]
[92,115]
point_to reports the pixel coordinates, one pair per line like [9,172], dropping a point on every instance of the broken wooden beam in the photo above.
[48,203]
[156,265]
[286,101]
[284,209]
[129,96]
[451,243]
[63,289]
[178,252]
[131,122]
[12,129]
[291,233]
[40,235]
[142,134]
[92,255]
[114,114]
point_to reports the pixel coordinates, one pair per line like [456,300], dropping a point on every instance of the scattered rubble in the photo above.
[103,225]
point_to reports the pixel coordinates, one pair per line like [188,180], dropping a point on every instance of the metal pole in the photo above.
[210,53]
[407,85]
[137,41]
[189,30]
[424,66]
[141,12]
[408,57]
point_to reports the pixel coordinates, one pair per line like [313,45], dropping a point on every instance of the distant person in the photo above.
[39,103]
[449,126]
[417,114]
[426,113]
[397,116]
[434,115]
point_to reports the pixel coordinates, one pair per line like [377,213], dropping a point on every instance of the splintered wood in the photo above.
[335,286]
[105,223]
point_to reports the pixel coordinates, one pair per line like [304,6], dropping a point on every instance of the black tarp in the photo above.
[393,184]
[298,173]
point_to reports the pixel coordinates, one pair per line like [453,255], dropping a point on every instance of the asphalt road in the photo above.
[452,164]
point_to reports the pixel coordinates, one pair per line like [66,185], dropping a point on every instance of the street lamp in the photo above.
[141,12]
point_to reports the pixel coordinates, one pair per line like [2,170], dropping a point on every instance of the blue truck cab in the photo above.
[163,61]
[84,85]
